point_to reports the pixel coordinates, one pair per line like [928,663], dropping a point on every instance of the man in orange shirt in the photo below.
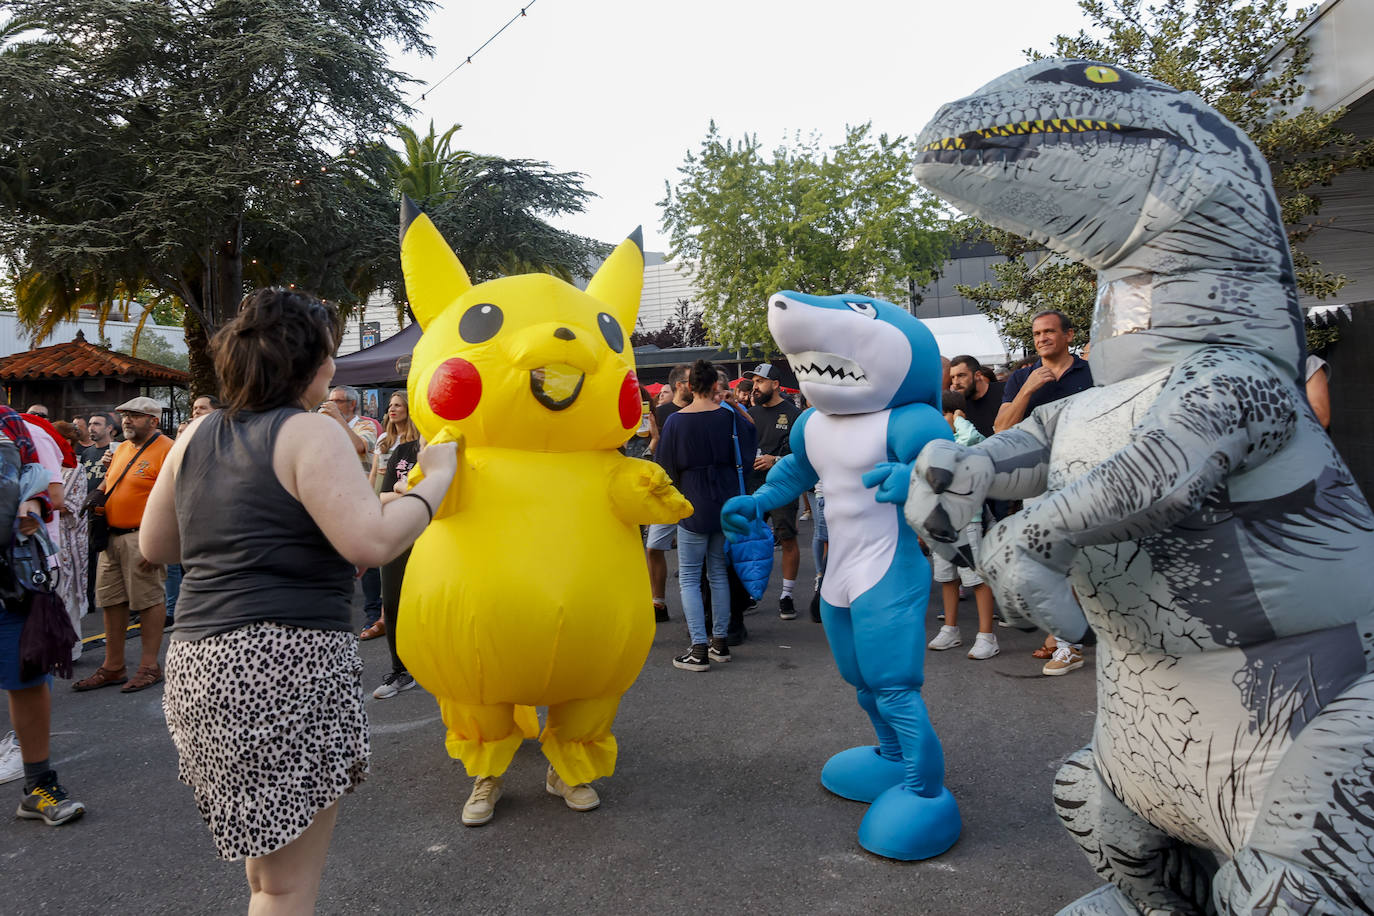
[125,580]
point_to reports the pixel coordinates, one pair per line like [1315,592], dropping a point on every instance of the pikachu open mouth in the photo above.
[556,385]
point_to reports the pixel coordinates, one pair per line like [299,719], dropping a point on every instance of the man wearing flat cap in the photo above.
[124,580]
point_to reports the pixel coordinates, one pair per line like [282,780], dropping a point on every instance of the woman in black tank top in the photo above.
[264,505]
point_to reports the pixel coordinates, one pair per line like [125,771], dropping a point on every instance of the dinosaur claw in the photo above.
[938,526]
[939,479]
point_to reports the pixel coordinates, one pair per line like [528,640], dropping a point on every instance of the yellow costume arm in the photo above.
[453,499]
[643,494]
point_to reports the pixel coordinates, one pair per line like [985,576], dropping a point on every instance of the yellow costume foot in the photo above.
[481,804]
[578,798]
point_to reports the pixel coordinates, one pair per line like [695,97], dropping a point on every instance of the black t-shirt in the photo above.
[983,411]
[774,428]
[663,411]
[403,458]
[90,463]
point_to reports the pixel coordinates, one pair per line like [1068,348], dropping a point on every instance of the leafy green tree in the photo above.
[492,211]
[154,348]
[684,329]
[189,148]
[847,219]
[1221,50]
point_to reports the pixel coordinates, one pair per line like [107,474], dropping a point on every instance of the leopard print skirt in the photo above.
[269,725]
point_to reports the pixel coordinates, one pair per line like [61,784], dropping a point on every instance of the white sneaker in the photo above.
[481,804]
[11,762]
[985,646]
[947,638]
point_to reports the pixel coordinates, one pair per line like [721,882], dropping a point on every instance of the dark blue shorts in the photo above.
[11,627]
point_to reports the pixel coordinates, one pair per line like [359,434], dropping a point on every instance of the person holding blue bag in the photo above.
[699,447]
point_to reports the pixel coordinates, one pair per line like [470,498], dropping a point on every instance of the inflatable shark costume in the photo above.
[1220,549]
[872,372]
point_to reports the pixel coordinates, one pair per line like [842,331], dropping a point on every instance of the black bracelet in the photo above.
[423,501]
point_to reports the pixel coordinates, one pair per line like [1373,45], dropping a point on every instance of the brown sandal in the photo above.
[103,677]
[377,629]
[147,676]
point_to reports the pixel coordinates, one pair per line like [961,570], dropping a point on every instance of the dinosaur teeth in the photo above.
[823,368]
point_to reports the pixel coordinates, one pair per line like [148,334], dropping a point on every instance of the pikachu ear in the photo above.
[620,280]
[434,275]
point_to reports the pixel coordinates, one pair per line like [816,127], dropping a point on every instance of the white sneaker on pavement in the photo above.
[985,646]
[11,763]
[947,638]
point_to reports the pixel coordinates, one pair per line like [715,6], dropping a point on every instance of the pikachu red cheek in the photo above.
[630,405]
[455,388]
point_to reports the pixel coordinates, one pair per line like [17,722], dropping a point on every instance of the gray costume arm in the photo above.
[950,482]
[1214,416]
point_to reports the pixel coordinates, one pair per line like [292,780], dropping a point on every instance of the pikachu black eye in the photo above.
[480,323]
[610,329]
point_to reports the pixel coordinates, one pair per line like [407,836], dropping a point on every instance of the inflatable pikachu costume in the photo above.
[529,588]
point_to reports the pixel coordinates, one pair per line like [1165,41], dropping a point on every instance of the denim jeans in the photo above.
[172,588]
[694,550]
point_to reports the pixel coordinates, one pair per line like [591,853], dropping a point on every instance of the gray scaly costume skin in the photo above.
[1217,543]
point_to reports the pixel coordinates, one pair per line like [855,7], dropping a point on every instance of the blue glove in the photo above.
[893,480]
[736,515]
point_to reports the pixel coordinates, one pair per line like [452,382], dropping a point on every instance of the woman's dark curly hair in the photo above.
[268,354]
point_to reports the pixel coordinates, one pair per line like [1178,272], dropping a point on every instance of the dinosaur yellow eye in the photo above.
[1099,74]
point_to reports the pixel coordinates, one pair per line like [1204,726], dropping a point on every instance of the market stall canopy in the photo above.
[385,363]
[968,335]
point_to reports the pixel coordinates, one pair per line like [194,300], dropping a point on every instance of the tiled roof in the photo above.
[82,359]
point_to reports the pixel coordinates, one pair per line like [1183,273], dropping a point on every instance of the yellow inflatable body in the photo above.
[530,587]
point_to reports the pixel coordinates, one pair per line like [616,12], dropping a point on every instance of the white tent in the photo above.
[972,335]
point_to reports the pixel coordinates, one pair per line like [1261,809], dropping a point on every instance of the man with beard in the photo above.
[982,399]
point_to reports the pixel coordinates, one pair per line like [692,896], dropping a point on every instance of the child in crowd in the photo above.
[948,575]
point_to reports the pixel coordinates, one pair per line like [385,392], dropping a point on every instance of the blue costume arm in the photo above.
[788,479]
[909,428]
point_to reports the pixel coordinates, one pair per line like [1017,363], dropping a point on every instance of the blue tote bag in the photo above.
[752,553]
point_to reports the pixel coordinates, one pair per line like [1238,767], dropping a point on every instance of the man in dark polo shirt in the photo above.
[1056,374]
[982,399]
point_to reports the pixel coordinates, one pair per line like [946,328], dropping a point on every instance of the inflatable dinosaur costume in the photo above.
[1217,543]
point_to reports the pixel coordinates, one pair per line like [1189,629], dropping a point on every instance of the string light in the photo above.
[469,58]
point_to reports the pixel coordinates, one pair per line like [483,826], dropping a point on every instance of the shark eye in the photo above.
[480,323]
[865,309]
[610,329]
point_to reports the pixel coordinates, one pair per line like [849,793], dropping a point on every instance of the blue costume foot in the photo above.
[861,774]
[906,826]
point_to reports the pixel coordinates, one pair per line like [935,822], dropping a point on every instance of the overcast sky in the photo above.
[621,90]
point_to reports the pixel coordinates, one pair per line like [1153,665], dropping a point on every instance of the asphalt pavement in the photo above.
[715,807]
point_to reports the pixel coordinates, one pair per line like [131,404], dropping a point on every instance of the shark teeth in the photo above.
[826,369]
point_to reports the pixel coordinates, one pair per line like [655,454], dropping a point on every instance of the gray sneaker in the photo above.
[50,803]
[393,684]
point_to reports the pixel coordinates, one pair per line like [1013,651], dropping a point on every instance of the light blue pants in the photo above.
[694,550]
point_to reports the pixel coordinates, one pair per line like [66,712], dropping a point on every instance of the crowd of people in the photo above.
[322,499]
[701,415]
